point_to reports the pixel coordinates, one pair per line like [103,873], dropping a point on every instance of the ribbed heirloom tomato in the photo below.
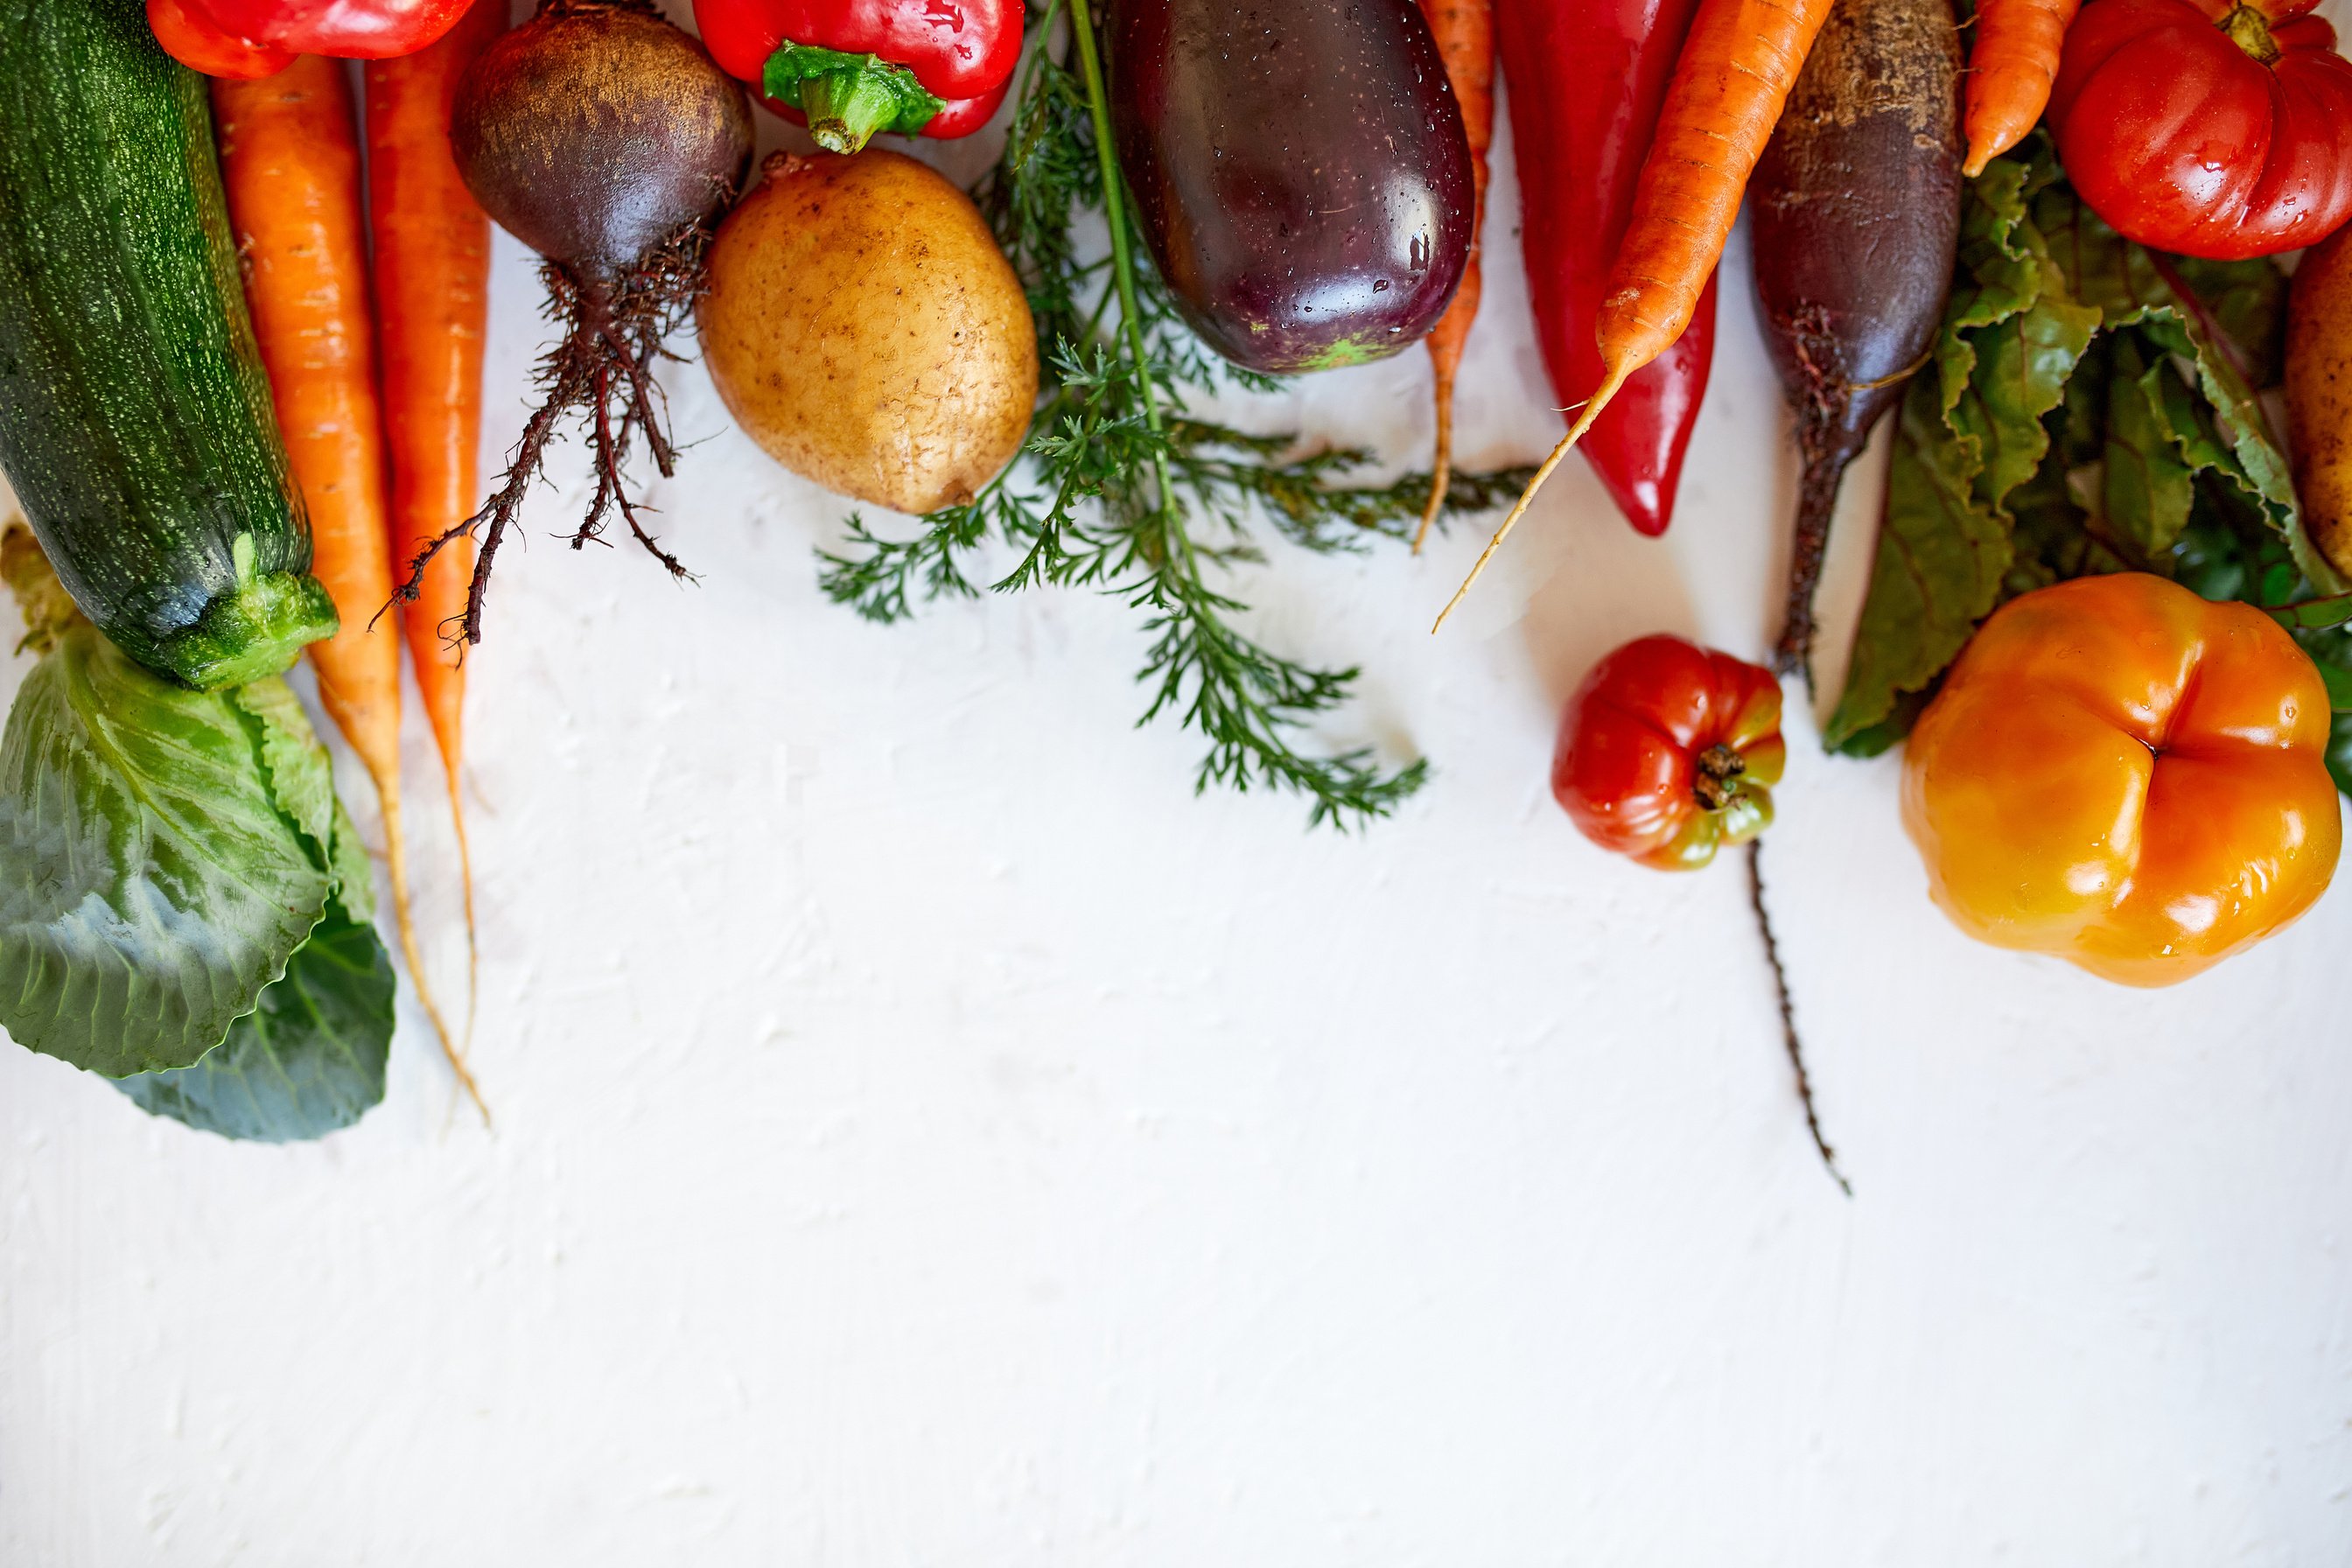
[2207,127]
[2128,776]
[1668,752]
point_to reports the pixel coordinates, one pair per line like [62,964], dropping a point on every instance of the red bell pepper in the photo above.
[1586,80]
[1668,752]
[847,69]
[252,38]
[2206,127]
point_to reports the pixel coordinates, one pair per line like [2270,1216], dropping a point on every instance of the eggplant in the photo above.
[1855,220]
[1299,171]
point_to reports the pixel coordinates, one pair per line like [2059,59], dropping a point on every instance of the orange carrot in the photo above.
[291,160]
[432,287]
[1466,40]
[1729,86]
[2009,72]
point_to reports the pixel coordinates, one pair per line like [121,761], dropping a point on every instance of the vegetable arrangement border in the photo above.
[2108,761]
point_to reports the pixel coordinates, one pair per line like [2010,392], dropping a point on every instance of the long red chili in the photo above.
[848,69]
[1586,83]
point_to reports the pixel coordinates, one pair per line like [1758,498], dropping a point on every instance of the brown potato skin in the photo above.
[865,330]
[2319,393]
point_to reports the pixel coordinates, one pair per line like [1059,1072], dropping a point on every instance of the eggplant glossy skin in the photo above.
[1299,171]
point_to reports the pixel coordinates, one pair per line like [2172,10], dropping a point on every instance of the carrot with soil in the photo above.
[1736,71]
[607,141]
[290,162]
[2010,71]
[1465,31]
[433,301]
[1856,225]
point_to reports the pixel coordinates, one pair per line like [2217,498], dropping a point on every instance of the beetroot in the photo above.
[607,141]
[1857,215]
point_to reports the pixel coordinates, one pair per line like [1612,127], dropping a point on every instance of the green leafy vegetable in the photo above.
[1125,491]
[309,1060]
[155,872]
[2095,407]
[184,904]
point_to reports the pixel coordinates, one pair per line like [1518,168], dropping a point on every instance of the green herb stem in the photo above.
[1121,489]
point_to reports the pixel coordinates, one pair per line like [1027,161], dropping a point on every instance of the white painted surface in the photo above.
[928,1135]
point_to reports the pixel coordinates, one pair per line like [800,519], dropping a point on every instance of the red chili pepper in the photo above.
[1668,752]
[2206,128]
[1586,80]
[847,69]
[252,38]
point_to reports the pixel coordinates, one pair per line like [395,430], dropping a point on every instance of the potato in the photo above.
[865,330]
[2319,395]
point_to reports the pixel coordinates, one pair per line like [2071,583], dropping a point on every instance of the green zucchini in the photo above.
[135,419]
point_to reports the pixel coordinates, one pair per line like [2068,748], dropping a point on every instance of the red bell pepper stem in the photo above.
[853,68]
[844,110]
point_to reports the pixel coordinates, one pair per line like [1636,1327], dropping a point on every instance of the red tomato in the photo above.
[1668,752]
[2206,128]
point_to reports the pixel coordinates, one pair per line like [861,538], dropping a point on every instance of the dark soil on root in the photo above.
[602,370]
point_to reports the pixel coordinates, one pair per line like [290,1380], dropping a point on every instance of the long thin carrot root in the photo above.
[1592,411]
[1441,477]
[473,941]
[432,248]
[291,168]
[1464,34]
[1729,88]
[396,863]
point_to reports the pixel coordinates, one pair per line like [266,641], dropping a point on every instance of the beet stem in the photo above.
[1789,1012]
[1817,495]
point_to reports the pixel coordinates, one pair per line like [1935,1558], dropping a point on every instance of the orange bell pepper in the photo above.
[2128,776]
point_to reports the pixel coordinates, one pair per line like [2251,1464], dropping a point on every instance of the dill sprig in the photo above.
[1123,489]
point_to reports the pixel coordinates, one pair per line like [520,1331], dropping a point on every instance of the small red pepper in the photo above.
[248,39]
[1668,752]
[2207,127]
[1586,80]
[847,69]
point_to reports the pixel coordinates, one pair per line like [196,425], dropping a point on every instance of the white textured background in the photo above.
[928,1135]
